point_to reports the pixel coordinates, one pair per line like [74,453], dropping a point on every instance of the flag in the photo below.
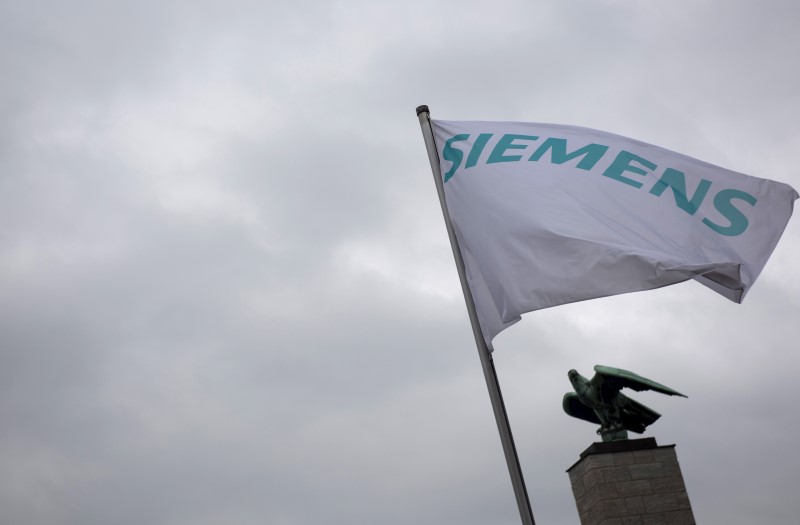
[548,214]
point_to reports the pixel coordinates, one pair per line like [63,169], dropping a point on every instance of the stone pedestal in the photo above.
[631,482]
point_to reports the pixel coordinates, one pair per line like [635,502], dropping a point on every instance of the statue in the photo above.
[599,401]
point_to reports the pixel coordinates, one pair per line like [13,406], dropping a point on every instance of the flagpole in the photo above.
[487,363]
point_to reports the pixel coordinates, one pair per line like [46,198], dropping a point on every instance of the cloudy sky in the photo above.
[227,293]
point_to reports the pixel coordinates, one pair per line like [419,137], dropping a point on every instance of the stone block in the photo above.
[671,468]
[630,483]
[639,487]
[633,520]
[611,508]
[577,471]
[679,517]
[578,488]
[612,521]
[667,484]
[655,503]
[643,456]
[596,494]
[635,506]
[647,471]
[624,458]
[592,478]
[615,474]
[599,461]
[665,454]
[683,500]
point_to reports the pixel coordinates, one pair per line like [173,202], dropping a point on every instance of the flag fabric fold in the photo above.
[548,214]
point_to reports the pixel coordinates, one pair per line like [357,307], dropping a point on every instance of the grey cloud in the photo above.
[226,290]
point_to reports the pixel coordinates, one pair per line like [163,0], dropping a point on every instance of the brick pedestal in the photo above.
[631,482]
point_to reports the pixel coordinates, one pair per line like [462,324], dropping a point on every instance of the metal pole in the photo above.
[487,363]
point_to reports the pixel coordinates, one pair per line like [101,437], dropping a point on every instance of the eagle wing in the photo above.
[573,406]
[612,380]
[635,416]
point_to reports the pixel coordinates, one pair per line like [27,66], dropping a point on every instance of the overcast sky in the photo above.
[227,294]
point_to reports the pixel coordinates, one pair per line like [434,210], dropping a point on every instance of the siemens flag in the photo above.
[547,215]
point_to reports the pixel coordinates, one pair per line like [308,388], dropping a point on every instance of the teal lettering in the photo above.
[506,142]
[622,164]
[677,181]
[477,149]
[723,204]
[453,155]
[558,153]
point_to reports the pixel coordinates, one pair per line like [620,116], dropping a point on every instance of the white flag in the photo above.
[547,215]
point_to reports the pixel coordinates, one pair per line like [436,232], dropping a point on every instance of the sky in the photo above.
[226,289]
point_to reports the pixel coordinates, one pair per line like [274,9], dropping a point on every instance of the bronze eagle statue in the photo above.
[599,400]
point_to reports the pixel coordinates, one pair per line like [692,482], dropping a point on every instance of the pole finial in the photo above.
[422,109]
